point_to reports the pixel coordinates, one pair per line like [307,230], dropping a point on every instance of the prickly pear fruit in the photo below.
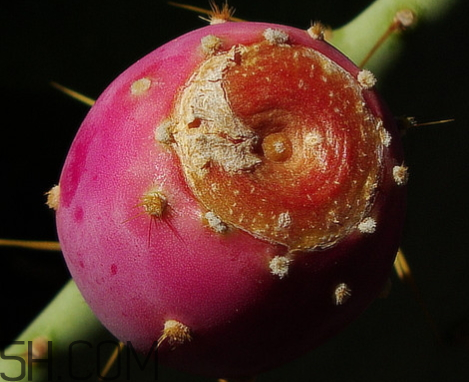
[236,197]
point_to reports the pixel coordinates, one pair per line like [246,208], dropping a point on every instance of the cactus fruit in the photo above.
[235,197]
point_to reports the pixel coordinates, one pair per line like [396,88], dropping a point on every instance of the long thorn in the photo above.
[112,359]
[75,95]
[39,245]
[207,12]
[192,8]
[433,122]
[403,19]
[404,273]
[406,123]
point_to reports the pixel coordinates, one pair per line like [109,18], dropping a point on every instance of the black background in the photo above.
[85,44]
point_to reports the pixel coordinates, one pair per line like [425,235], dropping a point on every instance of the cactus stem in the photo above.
[39,347]
[66,319]
[402,20]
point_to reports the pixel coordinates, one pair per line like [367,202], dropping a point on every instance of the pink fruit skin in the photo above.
[136,273]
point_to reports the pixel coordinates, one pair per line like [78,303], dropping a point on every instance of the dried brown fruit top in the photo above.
[277,140]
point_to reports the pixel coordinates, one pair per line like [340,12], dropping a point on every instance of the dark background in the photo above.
[85,44]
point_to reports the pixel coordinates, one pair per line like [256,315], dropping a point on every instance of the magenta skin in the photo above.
[136,273]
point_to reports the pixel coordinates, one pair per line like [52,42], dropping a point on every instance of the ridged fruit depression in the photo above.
[235,197]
